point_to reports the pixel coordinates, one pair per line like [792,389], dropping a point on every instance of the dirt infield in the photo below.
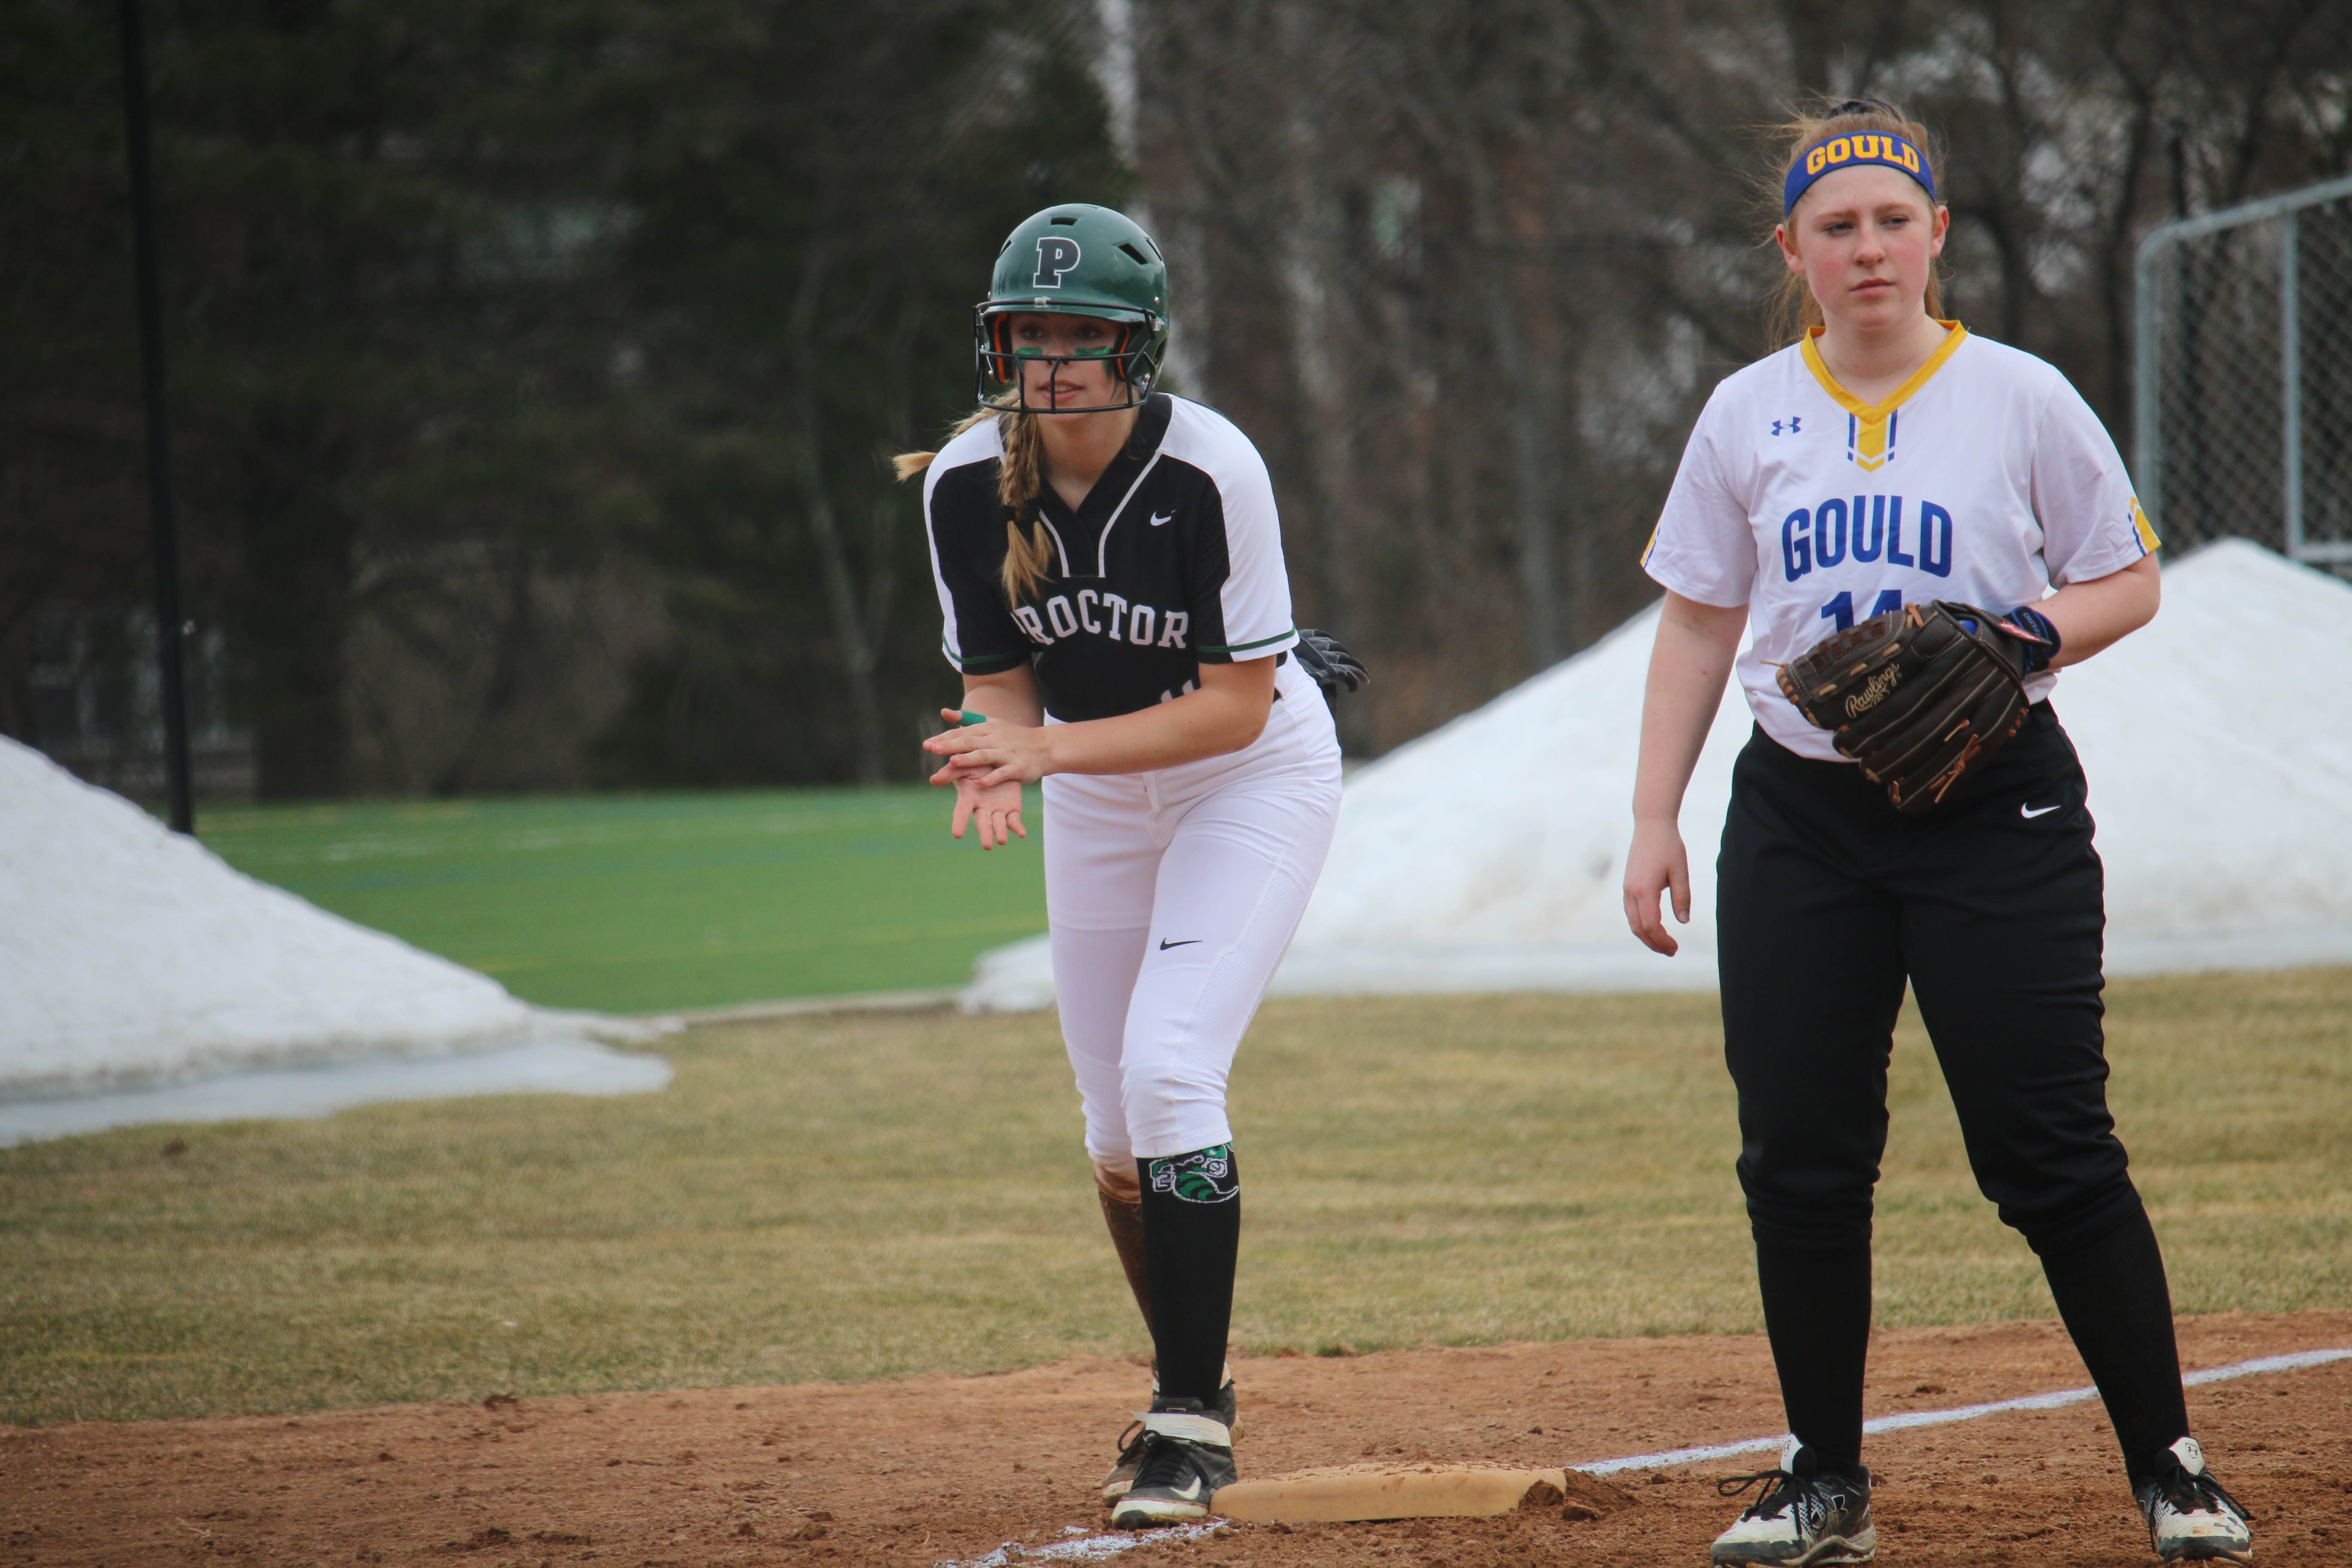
[947,1469]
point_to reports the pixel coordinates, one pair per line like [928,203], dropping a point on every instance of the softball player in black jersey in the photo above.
[1982,479]
[1110,575]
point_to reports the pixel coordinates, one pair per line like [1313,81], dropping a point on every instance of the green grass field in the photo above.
[859,1195]
[640,903]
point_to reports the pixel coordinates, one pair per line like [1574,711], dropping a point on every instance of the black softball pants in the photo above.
[1992,907]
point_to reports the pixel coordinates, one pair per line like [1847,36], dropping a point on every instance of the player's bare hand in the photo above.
[993,810]
[990,754]
[1656,864]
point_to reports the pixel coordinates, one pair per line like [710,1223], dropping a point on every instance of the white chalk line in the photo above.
[1095,1548]
[1087,1548]
[1909,1419]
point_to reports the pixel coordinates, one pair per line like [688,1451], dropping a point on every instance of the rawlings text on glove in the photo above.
[1921,697]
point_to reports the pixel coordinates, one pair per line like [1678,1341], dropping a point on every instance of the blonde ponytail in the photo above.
[1019,477]
[907,465]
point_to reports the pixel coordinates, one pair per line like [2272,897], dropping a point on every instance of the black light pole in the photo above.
[162,524]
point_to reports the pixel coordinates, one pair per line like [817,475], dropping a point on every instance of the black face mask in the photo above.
[1133,362]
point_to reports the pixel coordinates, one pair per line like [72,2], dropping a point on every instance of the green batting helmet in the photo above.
[1077,260]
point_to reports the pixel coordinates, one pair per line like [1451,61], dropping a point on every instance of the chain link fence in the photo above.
[2242,399]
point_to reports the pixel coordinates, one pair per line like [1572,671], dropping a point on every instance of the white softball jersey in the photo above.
[1171,894]
[1983,480]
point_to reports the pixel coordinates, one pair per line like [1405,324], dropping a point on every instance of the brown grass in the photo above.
[859,1196]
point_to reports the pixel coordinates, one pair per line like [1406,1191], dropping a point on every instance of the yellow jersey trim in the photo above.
[2148,543]
[1872,420]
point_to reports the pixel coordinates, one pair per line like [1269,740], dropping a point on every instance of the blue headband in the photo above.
[1844,152]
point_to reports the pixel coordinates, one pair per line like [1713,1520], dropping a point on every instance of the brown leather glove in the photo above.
[1921,697]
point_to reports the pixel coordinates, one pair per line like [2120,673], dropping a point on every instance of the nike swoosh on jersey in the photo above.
[1188,942]
[1159,517]
[2028,812]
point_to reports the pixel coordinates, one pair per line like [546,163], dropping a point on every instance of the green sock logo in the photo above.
[1204,1176]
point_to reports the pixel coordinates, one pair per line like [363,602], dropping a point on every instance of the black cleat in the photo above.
[1806,1516]
[1188,1454]
[2189,1518]
[1130,1442]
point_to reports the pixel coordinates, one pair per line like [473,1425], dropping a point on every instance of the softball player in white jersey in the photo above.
[1110,574]
[1889,457]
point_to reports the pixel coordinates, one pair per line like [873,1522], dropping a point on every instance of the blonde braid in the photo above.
[1019,479]
[1020,476]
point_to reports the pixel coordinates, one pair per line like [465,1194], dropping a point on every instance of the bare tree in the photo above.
[1466,268]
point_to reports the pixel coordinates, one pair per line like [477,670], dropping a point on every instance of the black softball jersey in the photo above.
[1174,561]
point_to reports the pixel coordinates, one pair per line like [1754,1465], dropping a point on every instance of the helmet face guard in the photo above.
[1074,260]
[1133,360]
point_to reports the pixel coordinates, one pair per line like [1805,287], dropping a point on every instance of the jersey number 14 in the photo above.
[1840,609]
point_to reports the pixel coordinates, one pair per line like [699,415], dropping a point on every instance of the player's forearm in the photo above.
[1209,723]
[2103,612]
[1689,666]
[1010,696]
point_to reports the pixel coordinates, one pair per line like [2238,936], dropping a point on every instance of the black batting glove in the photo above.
[1331,666]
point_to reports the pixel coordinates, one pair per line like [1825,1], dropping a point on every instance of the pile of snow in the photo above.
[537,1066]
[131,955]
[2218,746]
[1488,854]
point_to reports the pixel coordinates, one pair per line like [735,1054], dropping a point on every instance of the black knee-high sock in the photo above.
[1191,1232]
[1817,1311]
[2113,1296]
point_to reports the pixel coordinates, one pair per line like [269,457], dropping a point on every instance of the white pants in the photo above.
[1171,897]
